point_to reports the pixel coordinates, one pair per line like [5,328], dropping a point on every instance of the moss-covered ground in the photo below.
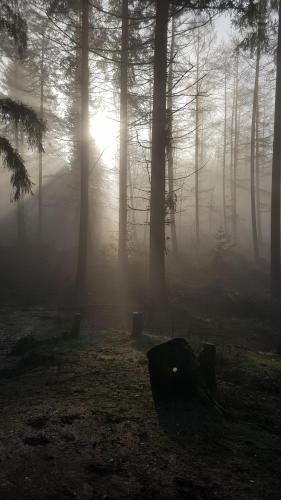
[78,421]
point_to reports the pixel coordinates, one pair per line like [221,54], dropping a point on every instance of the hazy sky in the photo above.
[224,28]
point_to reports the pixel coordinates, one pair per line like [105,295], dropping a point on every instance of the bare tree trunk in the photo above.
[232,159]
[275,190]
[84,156]
[202,150]
[252,171]
[19,146]
[259,228]
[123,160]
[197,226]
[150,157]
[211,213]
[170,152]
[224,158]
[235,155]
[133,218]
[20,203]
[157,203]
[40,163]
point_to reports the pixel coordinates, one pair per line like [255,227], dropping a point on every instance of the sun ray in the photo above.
[104,130]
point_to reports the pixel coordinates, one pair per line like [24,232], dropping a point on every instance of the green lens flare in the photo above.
[174,370]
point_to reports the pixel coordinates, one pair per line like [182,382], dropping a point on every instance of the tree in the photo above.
[19,115]
[84,157]
[123,158]
[157,202]
[253,153]
[235,150]
[14,25]
[170,146]
[40,162]
[16,113]
[255,18]
[224,153]
[275,278]
[196,162]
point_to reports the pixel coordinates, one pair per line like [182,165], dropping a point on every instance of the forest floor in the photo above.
[78,420]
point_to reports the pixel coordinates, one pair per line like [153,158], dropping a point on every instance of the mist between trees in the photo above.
[154,146]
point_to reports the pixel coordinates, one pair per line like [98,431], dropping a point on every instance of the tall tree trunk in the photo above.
[224,158]
[259,228]
[134,236]
[232,134]
[19,146]
[84,156]
[202,149]
[275,190]
[123,160]
[157,278]
[170,152]
[235,156]
[253,150]
[147,223]
[40,163]
[20,203]
[232,158]
[75,112]
[197,227]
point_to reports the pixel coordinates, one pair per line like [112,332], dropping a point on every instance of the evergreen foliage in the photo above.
[12,160]
[18,114]
[16,27]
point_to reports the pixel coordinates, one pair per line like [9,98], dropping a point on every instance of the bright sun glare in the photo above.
[105,132]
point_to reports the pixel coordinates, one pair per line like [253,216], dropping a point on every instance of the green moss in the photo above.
[260,364]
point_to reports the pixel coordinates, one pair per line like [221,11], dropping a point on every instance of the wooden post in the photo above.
[75,330]
[207,362]
[137,324]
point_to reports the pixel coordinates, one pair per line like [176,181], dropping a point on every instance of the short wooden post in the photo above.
[207,361]
[137,324]
[75,330]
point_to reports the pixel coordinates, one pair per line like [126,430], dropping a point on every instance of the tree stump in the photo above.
[174,370]
[207,362]
[137,324]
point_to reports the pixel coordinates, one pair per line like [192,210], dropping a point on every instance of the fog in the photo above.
[206,86]
[140,174]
